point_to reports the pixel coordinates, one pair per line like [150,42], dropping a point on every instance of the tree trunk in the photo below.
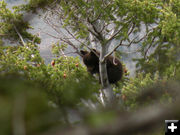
[106,87]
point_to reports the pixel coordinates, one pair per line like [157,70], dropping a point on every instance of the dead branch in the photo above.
[145,53]
[19,35]
[63,54]
[63,37]
[65,41]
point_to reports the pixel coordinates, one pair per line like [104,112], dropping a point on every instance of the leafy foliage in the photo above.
[160,50]
[56,77]
[12,23]
[132,90]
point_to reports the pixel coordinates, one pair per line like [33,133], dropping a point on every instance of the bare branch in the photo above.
[72,35]
[131,30]
[50,35]
[96,33]
[92,32]
[149,46]
[96,18]
[63,54]
[65,41]
[113,36]
[104,26]
[144,36]
[131,42]
[63,37]
[58,55]
[19,35]
[112,51]
[3,34]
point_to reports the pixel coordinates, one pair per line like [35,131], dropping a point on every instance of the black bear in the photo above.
[114,69]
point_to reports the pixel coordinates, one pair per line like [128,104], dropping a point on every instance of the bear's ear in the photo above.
[95,52]
[84,52]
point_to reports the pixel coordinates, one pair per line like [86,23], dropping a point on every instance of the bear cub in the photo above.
[91,60]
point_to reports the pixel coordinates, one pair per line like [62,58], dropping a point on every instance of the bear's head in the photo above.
[83,53]
[91,60]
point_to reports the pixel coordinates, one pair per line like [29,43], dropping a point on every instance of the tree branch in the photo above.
[97,34]
[19,35]
[132,42]
[145,54]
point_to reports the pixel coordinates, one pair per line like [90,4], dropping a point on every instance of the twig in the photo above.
[113,36]
[65,41]
[19,35]
[128,45]
[63,54]
[112,51]
[149,47]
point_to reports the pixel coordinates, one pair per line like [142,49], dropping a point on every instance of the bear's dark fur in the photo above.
[91,60]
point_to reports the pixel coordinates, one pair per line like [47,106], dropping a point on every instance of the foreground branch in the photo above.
[143,120]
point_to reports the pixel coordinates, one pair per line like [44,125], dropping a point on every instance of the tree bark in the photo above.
[106,87]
